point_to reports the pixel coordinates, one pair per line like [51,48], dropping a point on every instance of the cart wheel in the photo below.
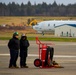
[37,62]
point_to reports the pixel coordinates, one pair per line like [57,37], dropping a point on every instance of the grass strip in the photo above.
[59,39]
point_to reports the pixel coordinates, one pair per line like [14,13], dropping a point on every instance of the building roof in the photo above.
[73,25]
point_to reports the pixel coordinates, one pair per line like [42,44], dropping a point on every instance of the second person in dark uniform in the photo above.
[24,44]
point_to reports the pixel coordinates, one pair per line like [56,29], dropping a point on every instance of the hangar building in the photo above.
[66,30]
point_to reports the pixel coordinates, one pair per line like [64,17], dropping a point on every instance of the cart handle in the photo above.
[38,42]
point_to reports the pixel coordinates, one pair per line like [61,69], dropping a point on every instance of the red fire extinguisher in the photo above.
[43,53]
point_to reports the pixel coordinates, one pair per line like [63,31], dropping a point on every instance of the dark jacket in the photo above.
[14,44]
[24,44]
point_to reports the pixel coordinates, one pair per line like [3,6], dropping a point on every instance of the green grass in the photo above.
[31,37]
[54,39]
[5,38]
[57,39]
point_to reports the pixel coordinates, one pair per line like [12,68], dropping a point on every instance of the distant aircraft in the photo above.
[46,26]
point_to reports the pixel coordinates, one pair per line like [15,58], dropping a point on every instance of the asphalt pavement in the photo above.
[64,54]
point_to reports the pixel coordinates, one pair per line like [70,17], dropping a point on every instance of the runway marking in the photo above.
[34,55]
[55,44]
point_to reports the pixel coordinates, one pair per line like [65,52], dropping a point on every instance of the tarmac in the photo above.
[64,54]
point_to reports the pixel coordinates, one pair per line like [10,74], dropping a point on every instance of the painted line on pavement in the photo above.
[34,55]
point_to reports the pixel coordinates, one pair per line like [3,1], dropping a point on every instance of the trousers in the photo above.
[13,57]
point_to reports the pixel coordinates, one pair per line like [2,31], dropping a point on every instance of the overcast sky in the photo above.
[65,2]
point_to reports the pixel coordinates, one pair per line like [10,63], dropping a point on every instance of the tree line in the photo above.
[44,9]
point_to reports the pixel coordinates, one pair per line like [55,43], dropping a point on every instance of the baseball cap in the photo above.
[15,34]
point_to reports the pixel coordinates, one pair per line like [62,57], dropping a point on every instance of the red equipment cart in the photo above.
[40,62]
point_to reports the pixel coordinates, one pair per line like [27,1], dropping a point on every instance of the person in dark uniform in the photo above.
[14,46]
[24,44]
